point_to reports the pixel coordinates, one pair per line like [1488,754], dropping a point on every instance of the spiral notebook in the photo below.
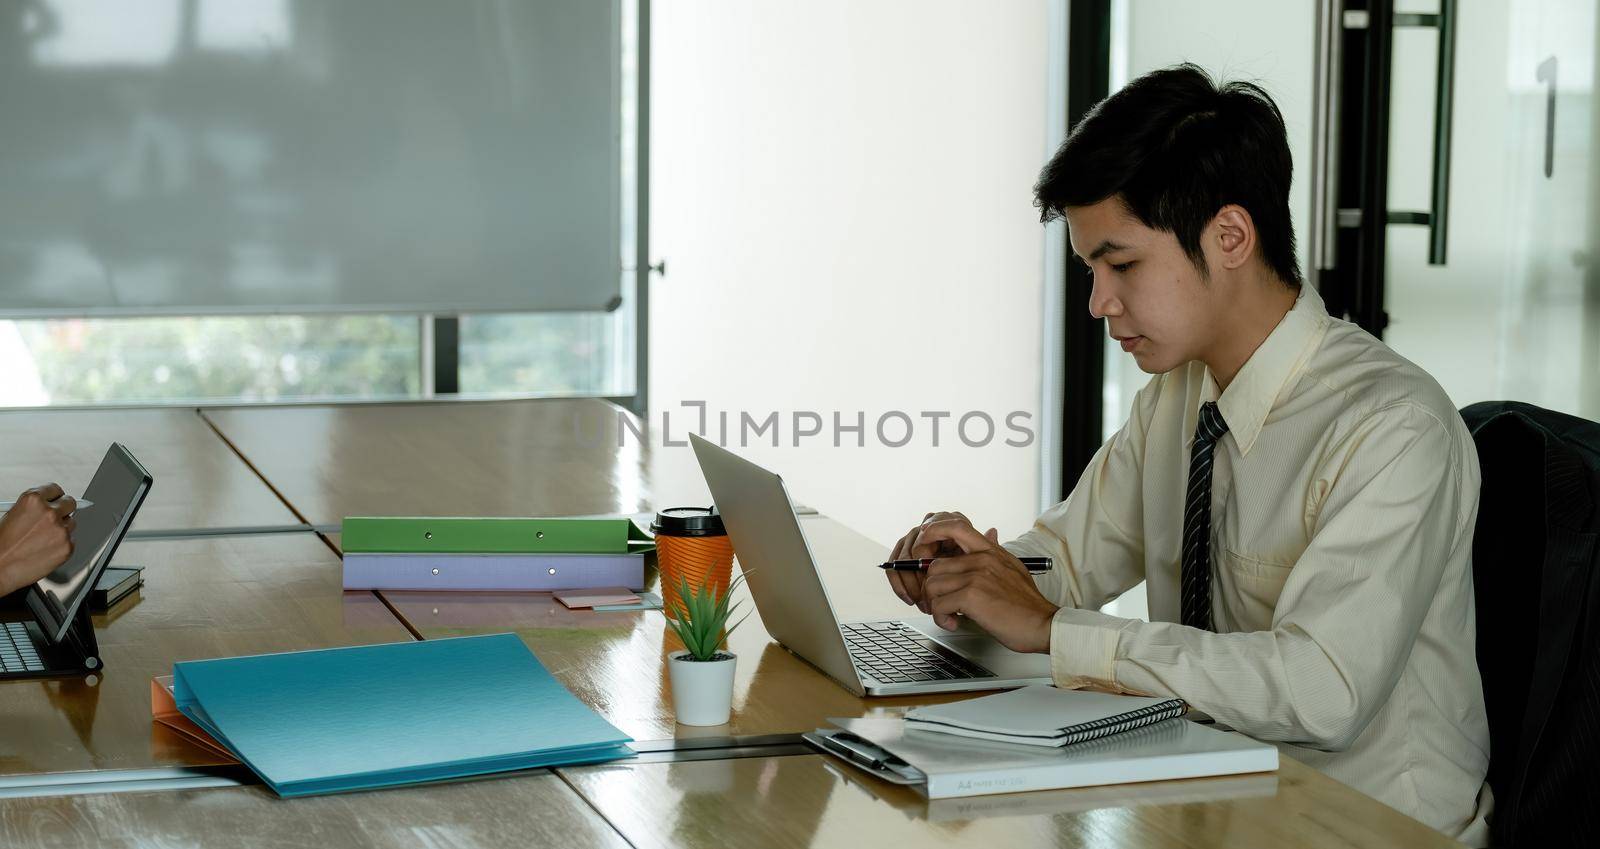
[1042,715]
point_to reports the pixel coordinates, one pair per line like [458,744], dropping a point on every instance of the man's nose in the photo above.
[1103,302]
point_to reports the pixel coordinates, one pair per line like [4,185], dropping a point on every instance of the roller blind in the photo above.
[238,156]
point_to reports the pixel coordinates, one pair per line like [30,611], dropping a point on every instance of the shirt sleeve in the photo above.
[1401,498]
[1096,536]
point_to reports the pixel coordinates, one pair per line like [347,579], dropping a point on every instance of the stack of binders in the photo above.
[540,555]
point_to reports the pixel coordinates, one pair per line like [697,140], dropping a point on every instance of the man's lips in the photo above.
[1128,342]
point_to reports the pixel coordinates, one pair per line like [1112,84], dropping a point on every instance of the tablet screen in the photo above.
[118,488]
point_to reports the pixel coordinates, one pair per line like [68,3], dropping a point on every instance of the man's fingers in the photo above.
[64,506]
[897,583]
[954,565]
[902,550]
[993,535]
[960,532]
[916,584]
[945,609]
[898,588]
[941,548]
[915,587]
[49,491]
[939,586]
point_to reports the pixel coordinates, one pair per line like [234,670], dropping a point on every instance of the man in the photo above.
[35,536]
[1298,498]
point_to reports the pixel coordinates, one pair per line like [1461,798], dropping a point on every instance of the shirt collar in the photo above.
[1249,398]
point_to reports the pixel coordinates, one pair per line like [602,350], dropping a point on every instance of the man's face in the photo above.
[1153,298]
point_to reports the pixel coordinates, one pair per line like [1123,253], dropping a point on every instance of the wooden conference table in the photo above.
[200,482]
[82,763]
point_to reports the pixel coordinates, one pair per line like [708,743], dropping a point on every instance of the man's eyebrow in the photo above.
[1105,247]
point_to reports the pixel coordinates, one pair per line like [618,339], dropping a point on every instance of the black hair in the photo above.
[1177,148]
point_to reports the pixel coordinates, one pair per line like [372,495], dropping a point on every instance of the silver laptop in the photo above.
[889,658]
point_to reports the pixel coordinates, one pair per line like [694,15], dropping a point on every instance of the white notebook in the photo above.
[944,766]
[1042,715]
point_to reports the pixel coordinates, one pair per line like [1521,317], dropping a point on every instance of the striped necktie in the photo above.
[1196,575]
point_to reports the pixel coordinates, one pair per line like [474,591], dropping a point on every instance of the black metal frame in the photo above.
[446,362]
[1083,349]
[1354,288]
[1368,63]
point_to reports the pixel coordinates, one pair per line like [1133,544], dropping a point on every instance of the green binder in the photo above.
[422,535]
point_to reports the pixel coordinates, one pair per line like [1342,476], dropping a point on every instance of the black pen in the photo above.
[863,753]
[1036,565]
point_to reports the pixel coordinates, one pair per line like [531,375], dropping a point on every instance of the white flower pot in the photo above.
[702,691]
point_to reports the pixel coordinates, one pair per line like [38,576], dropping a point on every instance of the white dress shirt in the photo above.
[1343,502]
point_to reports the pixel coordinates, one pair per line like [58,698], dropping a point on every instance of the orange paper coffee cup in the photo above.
[693,545]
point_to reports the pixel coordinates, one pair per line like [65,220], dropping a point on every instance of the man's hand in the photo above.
[35,536]
[908,585]
[984,583]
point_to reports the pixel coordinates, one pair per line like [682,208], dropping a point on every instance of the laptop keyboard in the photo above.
[899,654]
[16,650]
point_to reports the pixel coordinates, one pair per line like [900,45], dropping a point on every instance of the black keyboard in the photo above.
[899,654]
[16,650]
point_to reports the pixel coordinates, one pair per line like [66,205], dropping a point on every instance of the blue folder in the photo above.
[375,716]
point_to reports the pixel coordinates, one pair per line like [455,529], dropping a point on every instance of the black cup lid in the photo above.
[689,522]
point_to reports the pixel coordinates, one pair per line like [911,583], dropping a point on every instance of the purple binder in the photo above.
[522,572]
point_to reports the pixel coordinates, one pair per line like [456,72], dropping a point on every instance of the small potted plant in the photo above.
[702,674]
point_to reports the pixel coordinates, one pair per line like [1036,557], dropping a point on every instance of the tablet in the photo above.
[118,489]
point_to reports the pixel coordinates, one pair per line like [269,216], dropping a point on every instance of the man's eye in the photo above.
[1121,267]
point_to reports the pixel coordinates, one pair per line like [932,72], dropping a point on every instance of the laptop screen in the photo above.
[117,490]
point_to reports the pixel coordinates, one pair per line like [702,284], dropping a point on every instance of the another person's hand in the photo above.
[35,536]
[908,585]
[984,583]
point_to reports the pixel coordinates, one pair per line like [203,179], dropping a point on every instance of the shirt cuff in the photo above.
[1083,649]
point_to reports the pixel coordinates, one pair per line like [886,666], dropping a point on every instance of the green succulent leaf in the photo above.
[701,621]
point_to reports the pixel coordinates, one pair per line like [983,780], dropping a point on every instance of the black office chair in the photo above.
[1537,582]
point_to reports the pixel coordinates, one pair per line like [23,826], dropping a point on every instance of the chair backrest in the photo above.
[1538,614]
[1506,567]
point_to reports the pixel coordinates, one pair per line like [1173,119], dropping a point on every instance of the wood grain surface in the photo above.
[554,457]
[526,810]
[199,481]
[812,800]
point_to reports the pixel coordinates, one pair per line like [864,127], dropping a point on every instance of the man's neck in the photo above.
[1262,305]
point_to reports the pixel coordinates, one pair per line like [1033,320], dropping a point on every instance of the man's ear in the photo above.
[1232,235]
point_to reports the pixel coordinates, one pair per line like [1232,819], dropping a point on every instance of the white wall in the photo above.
[841,191]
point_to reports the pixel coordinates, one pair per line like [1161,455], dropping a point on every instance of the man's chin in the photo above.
[1150,363]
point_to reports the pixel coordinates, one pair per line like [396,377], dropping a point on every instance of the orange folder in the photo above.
[164,709]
